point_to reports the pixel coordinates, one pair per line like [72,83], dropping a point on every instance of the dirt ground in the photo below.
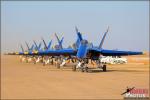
[34,81]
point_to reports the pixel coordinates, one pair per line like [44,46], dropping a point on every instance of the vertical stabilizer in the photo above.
[102,41]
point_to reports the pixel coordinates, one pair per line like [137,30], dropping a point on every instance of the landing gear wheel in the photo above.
[52,62]
[82,69]
[104,68]
[74,68]
[86,69]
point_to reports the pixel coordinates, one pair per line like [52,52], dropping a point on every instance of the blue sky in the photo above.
[30,20]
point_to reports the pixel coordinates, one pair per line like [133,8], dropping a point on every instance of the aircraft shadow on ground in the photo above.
[90,70]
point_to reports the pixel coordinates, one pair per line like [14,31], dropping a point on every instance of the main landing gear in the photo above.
[82,66]
[103,67]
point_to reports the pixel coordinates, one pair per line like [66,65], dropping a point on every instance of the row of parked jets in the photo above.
[80,53]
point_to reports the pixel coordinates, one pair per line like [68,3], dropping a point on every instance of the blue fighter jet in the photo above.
[84,52]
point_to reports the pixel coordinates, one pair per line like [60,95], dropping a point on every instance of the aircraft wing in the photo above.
[67,52]
[106,52]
